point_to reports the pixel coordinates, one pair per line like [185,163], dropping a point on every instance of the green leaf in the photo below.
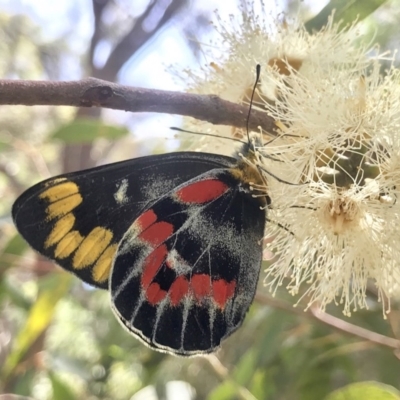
[4,146]
[245,368]
[87,130]
[60,389]
[16,245]
[365,390]
[14,294]
[24,387]
[39,318]
[258,384]
[267,344]
[346,11]
[10,252]
[8,255]
[225,391]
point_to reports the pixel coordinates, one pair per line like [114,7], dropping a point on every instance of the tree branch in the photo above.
[136,38]
[98,9]
[92,92]
[333,322]
[355,330]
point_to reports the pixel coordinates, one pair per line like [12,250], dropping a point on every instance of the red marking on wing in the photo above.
[202,191]
[201,285]
[223,291]
[146,219]
[152,264]
[178,289]
[155,294]
[157,233]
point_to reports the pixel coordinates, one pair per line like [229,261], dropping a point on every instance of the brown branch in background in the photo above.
[137,37]
[331,321]
[355,330]
[98,9]
[156,15]
[92,92]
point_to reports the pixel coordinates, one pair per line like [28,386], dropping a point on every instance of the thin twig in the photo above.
[137,37]
[355,330]
[334,322]
[92,92]
[223,374]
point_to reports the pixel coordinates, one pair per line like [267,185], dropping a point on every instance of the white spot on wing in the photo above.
[120,195]
[177,263]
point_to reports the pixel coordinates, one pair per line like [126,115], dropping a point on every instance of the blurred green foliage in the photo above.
[344,11]
[85,130]
[60,340]
[365,390]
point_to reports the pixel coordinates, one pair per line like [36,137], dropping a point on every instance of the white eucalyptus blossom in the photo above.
[334,223]
[341,144]
[280,47]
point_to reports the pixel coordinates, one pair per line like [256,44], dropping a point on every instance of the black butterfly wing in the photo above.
[78,219]
[186,271]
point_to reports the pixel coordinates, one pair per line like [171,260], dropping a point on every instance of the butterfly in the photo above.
[175,238]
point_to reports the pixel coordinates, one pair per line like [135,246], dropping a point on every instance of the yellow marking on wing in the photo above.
[101,270]
[67,245]
[60,229]
[60,191]
[91,247]
[64,206]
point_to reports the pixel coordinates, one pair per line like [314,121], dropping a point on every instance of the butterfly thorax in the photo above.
[247,172]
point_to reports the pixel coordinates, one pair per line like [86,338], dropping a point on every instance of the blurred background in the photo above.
[58,337]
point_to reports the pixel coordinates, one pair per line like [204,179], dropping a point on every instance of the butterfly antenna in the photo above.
[258,72]
[280,226]
[174,128]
